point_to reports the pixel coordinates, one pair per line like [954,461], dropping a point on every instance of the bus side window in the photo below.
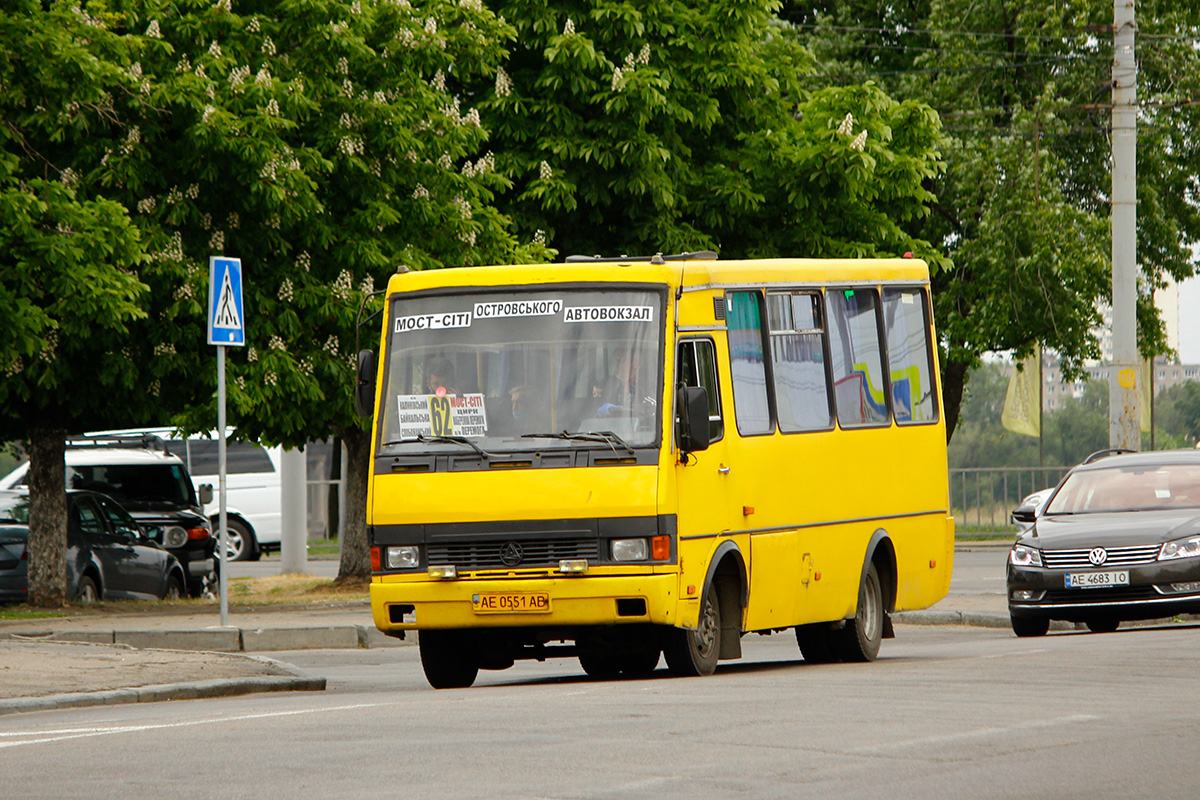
[856,356]
[910,356]
[802,397]
[751,405]
[697,366]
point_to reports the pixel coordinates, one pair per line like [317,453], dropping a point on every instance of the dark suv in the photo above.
[154,487]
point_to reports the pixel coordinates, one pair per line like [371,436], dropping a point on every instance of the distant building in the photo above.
[1056,392]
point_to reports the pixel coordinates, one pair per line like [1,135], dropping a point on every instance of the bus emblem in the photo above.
[511,554]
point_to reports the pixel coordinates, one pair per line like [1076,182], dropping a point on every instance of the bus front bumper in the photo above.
[543,602]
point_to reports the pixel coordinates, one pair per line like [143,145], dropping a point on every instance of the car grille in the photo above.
[1117,557]
[1088,596]
[535,553]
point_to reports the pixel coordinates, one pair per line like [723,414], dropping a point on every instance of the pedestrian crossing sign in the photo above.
[226,317]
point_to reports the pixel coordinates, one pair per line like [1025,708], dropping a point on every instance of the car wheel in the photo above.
[1030,626]
[860,639]
[174,588]
[448,659]
[1103,624]
[240,541]
[695,653]
[816,644]
[88,592]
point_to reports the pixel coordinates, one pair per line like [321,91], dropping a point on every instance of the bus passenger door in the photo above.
[702,482]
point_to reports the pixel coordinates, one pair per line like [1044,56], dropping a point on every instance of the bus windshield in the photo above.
[523,370]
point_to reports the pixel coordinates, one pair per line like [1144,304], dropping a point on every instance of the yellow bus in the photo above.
[622,459]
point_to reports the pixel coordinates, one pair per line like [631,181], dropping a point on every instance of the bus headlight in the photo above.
[403,557]
[630,550]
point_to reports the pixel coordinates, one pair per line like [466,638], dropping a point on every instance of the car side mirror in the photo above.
[1026,514]
[206,494]
[364,390]
[692,418]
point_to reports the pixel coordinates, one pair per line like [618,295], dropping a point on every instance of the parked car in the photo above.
[152,485]
[109,555]
[1118,540]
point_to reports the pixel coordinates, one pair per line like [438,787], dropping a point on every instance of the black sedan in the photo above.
[109,556]
[1118,540]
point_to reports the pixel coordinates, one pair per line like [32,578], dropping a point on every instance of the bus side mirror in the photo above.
[206,493]
[364,391]
[692,422]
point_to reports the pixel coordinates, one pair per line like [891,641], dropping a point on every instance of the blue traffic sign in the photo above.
[226,317]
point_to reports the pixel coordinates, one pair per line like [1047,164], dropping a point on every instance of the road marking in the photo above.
[975,734]
[44,737]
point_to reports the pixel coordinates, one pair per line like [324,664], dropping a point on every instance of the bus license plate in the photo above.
[1097,580]
[511,603]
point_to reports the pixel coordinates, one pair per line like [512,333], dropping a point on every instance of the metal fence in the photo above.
[981,498]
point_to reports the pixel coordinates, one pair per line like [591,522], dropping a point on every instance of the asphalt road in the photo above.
[946,712]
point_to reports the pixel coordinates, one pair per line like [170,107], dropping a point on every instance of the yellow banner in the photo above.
[1023,403]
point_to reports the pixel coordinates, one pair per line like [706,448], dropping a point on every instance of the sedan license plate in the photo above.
[1097,580]
[511,603]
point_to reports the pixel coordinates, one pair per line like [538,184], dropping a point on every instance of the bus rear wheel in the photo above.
[860,639]
[695,653]
[816,644]
[448,659]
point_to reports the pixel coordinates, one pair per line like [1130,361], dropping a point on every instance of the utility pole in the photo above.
[1124,415]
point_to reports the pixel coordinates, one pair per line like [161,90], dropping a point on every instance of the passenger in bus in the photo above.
[527,408]
[439,374]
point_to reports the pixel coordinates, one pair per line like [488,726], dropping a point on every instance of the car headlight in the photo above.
[174,536]
[1180,548]
[1023,556]
[403,557]
[630,550]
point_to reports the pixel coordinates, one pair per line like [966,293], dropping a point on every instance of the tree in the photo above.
[1022,208]
[674,126]
[68,258]
[317,140]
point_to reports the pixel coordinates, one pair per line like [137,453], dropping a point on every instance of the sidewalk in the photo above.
[162,652]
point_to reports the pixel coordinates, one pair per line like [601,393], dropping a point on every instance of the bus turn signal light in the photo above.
[376,560]
[660,548]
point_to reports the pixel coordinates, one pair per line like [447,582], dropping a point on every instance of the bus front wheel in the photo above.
[448,659]
[694,653]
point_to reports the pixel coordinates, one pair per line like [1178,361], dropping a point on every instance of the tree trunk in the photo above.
[356,556]
[47,518]
[954,380]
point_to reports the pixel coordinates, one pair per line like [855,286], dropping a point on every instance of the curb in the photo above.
[193,690]
[228,640]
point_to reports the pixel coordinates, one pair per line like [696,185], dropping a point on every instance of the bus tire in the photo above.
[448,659]
[860,639]
[694,653]
[816,644]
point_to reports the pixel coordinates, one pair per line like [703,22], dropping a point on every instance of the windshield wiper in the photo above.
[604,437]
[422,439]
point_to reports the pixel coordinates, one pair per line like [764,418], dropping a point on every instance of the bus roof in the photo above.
[691,274]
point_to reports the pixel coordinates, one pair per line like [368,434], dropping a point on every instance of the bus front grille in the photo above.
[502,555]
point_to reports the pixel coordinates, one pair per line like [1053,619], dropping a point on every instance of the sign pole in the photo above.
[226,327]
[222,519]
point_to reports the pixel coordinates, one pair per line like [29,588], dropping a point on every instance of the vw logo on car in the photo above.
[1098,556]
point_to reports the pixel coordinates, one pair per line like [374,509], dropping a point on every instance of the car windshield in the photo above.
[1132,488]
[136,484]
[493,371]
[14,508]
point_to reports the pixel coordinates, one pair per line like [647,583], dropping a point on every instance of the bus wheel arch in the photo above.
[882,553]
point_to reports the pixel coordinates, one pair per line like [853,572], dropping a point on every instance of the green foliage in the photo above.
[675,126]
[1022,207]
